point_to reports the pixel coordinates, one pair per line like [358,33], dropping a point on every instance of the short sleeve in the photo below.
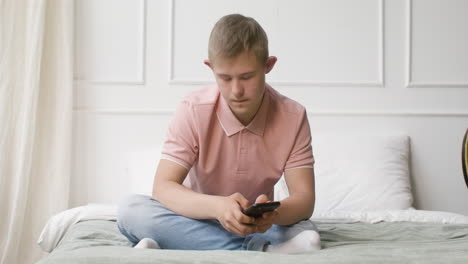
[181,144]
[301,154]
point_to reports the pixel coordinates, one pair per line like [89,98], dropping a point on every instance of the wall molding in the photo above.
[123,111]
[142,80]
[153,111]
[380,83]
[409,83]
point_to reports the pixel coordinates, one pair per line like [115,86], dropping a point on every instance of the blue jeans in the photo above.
[140,216]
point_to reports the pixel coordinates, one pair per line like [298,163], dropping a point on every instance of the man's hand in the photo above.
[265,222]
[231,217]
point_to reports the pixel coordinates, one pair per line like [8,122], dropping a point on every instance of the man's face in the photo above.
[241,81]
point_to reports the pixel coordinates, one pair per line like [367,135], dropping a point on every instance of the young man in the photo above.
[226,147]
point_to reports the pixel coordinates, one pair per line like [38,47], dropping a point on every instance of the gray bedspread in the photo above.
[99,241]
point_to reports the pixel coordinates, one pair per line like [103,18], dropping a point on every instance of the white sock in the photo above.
[305,241]
[147,243]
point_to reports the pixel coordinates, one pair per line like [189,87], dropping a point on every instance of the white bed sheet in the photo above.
[58,225]
[410,215]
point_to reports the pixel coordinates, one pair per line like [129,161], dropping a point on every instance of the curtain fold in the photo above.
[36,113]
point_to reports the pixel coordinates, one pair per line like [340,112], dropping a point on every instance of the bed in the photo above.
[364,214]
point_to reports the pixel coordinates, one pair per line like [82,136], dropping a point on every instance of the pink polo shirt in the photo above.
[224,156]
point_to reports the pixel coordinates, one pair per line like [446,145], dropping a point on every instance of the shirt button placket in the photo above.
[242,168]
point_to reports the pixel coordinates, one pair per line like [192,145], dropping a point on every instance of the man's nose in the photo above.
[237,88]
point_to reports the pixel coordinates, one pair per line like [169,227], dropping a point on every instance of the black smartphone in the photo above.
[256,210]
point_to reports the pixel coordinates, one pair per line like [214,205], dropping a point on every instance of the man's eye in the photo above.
[246,77]
[224,78]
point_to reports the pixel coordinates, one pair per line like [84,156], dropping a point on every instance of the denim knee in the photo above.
[124,208]
[137,212]
[126,216]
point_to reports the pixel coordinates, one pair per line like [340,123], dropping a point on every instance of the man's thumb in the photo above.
[262,199]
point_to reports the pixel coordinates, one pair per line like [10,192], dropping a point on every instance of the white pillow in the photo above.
[141,168]
[359,172]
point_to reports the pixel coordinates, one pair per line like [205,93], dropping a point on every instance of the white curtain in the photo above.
[36,92]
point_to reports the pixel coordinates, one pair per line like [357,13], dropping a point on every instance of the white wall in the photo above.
[356,65]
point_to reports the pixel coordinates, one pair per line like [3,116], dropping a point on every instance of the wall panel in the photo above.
[110,41]
[438,38]
[318,44]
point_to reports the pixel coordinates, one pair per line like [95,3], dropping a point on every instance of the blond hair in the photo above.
[235,33]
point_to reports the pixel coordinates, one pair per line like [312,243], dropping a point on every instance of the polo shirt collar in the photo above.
[232,125]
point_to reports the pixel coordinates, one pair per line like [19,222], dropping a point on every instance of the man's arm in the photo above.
[170,192]
[300,203]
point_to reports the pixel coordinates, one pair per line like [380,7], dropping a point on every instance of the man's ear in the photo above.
[208,63]
[270,63]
